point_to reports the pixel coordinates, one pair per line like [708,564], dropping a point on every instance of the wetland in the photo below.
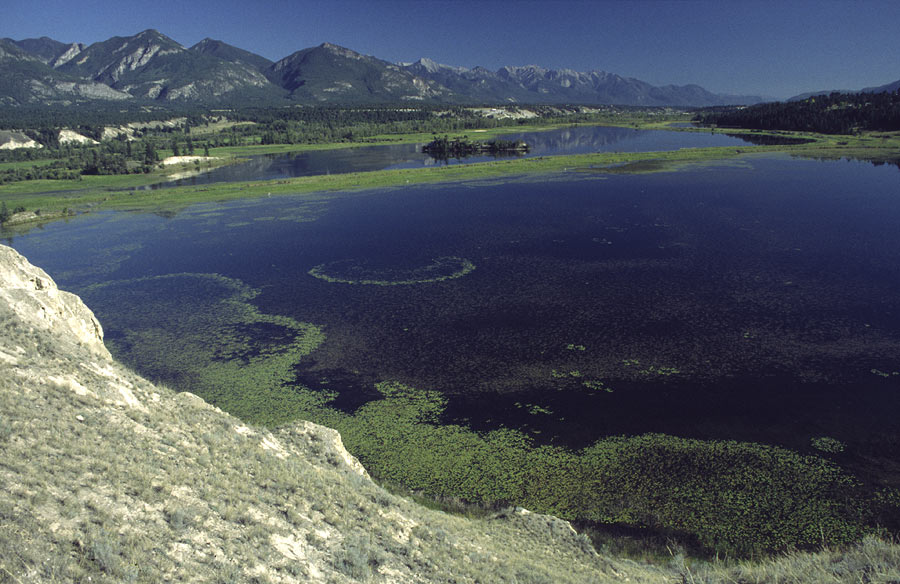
[577,343]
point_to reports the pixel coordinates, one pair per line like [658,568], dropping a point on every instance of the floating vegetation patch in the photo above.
[597,385]
[827,444]
[201,333]
[652,370]
[354,272]
[732,496]
[534,409]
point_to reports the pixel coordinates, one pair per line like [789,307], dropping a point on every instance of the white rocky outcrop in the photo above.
[13,140]
[72,137]
[32,296]
[70,53]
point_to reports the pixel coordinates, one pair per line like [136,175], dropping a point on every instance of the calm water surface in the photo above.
[573,140]
[755,301]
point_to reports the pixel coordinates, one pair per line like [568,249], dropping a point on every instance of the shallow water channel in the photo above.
[571,140]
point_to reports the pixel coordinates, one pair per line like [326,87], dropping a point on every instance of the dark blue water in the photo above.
[758,301]
[572,140]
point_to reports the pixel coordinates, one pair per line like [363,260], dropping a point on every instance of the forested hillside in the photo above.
[836,113]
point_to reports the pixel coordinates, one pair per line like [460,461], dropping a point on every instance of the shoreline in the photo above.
[125,192]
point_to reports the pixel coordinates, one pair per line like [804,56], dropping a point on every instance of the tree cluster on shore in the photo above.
[446,147]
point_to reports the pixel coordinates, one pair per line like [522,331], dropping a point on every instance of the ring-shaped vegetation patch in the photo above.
[355,272]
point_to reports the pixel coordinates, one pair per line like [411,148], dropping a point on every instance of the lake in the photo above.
[756,301]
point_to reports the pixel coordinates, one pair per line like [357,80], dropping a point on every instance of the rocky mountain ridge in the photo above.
[152,66]
[27,79]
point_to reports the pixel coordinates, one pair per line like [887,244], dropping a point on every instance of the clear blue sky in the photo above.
[776,49]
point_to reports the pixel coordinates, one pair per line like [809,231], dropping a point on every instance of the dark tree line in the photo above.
[70,162]
[837,113]
[444,148]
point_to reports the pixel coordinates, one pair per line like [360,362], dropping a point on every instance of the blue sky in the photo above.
[775,49]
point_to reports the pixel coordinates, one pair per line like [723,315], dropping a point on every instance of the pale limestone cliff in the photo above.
[32,297]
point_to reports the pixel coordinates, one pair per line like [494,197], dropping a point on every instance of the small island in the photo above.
[446,147]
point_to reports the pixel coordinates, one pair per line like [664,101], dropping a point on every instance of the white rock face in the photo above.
[13,140]
[70,137]
[73,51]
[113,132]
[32,296]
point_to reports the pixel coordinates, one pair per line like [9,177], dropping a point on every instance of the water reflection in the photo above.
[569,140]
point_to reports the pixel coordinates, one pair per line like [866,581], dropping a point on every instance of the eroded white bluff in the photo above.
[32,296]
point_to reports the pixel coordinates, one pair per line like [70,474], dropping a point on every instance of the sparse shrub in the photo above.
[523,577]
[102,548]
[353,560]
[228,574]
[5,429]
[179,518]
[314,540]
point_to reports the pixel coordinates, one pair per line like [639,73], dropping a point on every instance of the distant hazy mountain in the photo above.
[533,84]
[808,94]
[151,66]
[879,89]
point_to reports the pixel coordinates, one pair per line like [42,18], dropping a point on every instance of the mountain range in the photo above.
[150,66]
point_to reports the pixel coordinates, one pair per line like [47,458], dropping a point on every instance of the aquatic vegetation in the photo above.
[827,444]
[597,385]
[565,375]
[740,497]
[652,370]
[662,371]
[353,272]
[884,374]
[574,347]
[534,409]
[201,333]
